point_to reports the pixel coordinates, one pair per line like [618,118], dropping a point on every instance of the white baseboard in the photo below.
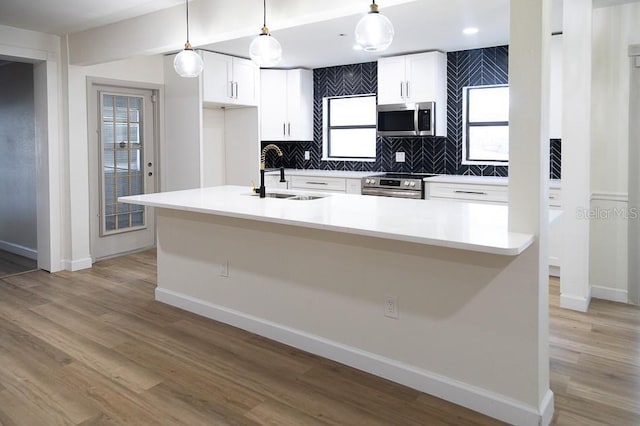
[608,293]
[76,265]
[575,303]
[475,398]
[19,250]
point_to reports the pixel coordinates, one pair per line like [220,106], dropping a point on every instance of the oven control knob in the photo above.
[372,181]
[366,181]
[406,183]
[412,184]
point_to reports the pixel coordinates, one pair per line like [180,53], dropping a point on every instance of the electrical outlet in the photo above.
[391,307]
[399,157]
[307,155]
[224,269]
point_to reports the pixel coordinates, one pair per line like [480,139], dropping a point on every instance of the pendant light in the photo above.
[374,31]
[265,50]
[188,63]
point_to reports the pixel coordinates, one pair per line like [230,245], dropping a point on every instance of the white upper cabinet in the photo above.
[555,88]
[413,78]
[229,80]
[286,107]
[421,77]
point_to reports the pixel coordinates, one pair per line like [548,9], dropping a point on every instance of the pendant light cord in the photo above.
[187,2]
[264,12]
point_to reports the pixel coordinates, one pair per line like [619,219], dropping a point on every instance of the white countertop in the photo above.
[458,225]
[324,173]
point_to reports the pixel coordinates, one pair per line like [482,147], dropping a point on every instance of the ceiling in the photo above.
[69,16]
[420,25]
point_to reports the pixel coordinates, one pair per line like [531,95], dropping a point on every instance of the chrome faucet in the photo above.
[266,149]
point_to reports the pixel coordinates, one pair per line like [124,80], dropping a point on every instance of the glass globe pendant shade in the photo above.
[188,63]
[374,32]
[265,50]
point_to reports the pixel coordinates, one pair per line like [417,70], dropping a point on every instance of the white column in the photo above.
[575,290]
[529,67]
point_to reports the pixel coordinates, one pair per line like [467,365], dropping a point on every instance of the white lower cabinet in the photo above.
[354,186]
[324,184]
[499,194]
[318,183]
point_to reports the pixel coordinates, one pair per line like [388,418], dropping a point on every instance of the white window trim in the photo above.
[466,162]
[325,131]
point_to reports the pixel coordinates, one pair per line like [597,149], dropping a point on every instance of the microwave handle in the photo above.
[416,120]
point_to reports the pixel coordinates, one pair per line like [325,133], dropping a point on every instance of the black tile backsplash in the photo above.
[426,154]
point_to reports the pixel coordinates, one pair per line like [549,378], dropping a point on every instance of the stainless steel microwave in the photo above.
[417,119]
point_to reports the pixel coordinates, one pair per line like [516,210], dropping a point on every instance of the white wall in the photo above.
[213,147]
[18,221]
[146,70]
[614,29]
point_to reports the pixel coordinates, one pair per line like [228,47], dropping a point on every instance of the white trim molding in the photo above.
[575,303]
[608,293]
[486,402]
[19,250]
[76,265]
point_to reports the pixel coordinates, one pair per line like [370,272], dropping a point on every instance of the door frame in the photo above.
[158,129]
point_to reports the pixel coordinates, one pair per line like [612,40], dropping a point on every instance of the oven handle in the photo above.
[388,193]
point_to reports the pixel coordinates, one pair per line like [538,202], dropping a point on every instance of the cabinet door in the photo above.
[273,105]
[300,105]
[354,186]
[216,78]
[245,76]
[422,76]
[391,80]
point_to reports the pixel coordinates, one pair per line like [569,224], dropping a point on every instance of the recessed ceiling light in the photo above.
[470,31]
[342,35]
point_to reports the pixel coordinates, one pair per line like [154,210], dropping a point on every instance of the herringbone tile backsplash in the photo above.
[425,154]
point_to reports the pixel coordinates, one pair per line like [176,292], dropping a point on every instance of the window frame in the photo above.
[466,126]
[326,129]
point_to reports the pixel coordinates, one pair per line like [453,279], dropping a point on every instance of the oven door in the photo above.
[396,193]
[396,120]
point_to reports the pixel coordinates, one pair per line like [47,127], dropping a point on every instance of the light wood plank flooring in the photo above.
[11,264]
[93,347]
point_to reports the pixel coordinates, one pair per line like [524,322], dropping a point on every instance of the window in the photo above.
[349,128]
[485,135]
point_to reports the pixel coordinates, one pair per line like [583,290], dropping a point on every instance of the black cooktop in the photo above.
[407,175]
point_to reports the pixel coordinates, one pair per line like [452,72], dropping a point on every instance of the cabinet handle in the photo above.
[316,183]
[236,84]
[408,95]
[470,192]
[231,86]
[289,129]
[401,89]
[284,129]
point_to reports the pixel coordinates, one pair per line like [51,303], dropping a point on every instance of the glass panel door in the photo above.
[122,161]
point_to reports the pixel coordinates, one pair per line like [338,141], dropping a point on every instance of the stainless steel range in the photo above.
[400,185]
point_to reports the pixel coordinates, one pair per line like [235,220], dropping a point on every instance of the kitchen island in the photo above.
[425,293]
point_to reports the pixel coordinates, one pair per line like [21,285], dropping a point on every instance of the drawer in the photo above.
[318,183]
[483,193]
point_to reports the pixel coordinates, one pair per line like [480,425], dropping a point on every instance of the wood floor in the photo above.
[94,348]
[11,264]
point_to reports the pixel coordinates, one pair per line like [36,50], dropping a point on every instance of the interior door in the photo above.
[123,163]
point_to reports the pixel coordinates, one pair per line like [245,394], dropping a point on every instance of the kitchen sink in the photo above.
[305,197]
[289,196]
